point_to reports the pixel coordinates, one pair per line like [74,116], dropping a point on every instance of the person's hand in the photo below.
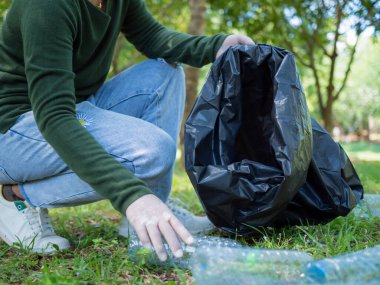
[232,41]
[150,218]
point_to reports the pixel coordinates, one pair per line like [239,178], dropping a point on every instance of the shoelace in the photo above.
[39,221]
[33,217]
[45,222]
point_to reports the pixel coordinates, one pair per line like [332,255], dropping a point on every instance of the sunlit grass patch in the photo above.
[363,151]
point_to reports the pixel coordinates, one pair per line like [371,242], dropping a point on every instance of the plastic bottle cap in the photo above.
[316,274]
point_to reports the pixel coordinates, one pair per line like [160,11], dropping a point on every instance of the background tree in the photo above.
[324,35]
[172,14]
[361,99]
[196,27]
[315,31]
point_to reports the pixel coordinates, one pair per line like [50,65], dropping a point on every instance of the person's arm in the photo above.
[154,40]
[48,30]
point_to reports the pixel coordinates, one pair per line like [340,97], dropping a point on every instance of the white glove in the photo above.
[150,218]
[232,41]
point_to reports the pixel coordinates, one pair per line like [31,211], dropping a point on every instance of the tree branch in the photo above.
[291,47]
[325,52]
[334,55]
[289,42]
[309,39]
[319,23]
[317,81]
[348,70]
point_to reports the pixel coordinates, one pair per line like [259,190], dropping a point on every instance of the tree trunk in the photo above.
[367,129]
[327,112]
[196,27]
[327,117]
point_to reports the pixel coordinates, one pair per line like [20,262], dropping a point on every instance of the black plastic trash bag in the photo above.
[332,189]
[248,139]
[248,146]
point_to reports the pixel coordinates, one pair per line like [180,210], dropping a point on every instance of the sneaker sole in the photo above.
[35,250]
[5,239]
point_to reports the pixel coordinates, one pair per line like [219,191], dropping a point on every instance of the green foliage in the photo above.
[174,15]
[305,27]
[4,4]
[361,99]
[315,31]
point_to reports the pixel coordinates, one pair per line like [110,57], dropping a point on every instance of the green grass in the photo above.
[99,256]
[366,159]
[369,173]
[363,151]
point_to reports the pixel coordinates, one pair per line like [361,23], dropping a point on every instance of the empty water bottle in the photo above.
[359,267]
[243,266]
[142,255]
[369,206]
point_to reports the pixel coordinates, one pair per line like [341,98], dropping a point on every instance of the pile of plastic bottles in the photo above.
[215,260]
[369,206]
[141,255]
[250,266]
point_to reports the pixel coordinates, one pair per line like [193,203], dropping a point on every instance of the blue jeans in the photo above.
[146,100]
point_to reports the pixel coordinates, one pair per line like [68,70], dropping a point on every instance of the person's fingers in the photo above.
[234,40]
[171,238]
[155,237]
[181,230]
[142,234]
[221,51]
[245,40]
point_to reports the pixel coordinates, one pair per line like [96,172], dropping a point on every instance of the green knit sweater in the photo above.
[56,53]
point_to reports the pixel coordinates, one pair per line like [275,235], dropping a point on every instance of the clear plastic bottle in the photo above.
[369,206]
[245,265]
[141,255]
[359,267]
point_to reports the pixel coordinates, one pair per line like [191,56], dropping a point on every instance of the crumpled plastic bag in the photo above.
[332,188]
[249,148]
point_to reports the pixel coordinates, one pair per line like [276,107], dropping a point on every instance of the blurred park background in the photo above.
[335,42]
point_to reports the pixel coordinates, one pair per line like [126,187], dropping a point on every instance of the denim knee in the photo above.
[181,81]
[158,157]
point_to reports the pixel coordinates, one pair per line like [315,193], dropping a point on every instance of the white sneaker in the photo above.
[31,227]
[194,224]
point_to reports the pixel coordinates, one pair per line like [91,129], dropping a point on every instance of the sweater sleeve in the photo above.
[48,31]
[154,40]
